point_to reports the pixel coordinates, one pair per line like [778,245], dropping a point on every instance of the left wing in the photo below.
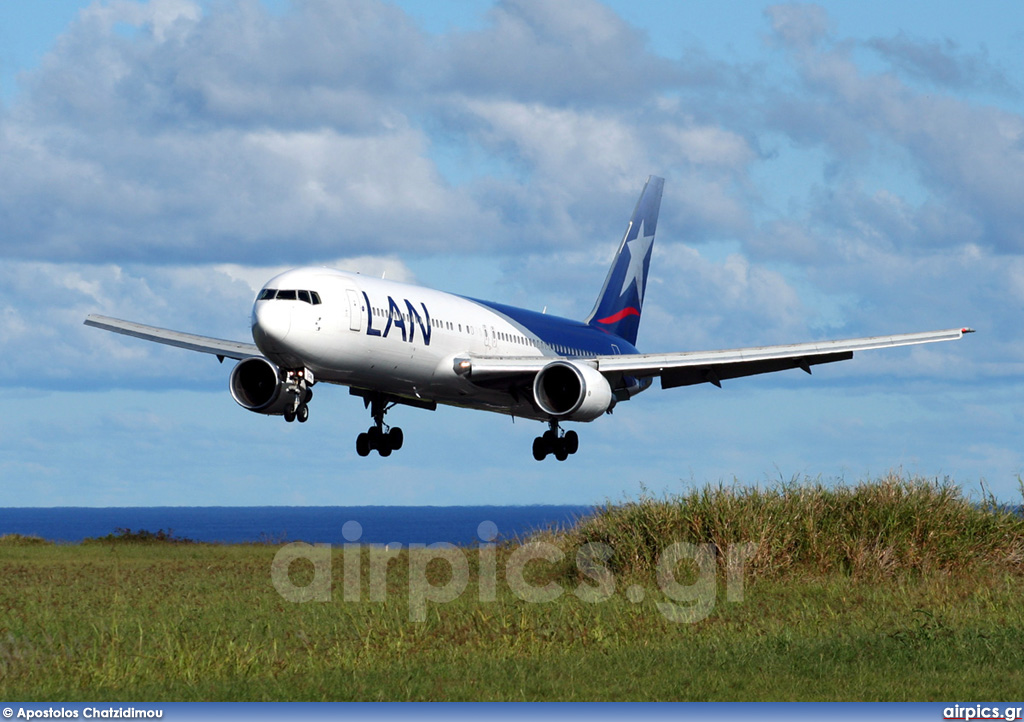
[695,367]
[204,344]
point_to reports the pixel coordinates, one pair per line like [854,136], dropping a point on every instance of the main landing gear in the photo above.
[550,442]
[379,437]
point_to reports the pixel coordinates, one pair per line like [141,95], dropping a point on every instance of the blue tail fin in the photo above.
[618,307]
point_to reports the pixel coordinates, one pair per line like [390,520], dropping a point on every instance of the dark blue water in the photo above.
[279,524]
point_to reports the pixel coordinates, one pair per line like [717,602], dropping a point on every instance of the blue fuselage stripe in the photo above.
[556,331]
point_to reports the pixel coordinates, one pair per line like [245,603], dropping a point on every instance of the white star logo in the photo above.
[638,249]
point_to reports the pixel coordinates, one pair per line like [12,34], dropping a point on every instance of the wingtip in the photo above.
[967,329]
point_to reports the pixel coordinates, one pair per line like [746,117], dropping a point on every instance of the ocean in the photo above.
[462,525]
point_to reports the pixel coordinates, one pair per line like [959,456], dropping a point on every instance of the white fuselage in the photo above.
[405,340]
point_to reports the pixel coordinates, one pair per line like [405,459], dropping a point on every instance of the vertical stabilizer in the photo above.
[618,307]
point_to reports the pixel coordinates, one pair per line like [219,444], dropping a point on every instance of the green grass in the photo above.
[897,589]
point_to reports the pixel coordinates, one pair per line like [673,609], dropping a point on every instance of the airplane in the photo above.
[396,344]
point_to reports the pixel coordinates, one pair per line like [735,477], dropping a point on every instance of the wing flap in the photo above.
[716,373]
[204,344]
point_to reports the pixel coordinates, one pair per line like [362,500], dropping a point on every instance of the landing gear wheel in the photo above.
[289,416]
[540,449]
[396,438]
[302,414]
[552,442]
[561,452]
[363,444]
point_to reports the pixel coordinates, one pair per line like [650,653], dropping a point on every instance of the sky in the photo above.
[833,170]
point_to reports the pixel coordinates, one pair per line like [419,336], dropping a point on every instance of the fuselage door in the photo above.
[355,310]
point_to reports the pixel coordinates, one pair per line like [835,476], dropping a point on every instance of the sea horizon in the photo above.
[375,524]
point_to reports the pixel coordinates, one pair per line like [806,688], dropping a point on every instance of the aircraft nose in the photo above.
[271,322]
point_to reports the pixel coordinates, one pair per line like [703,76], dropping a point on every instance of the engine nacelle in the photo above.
[575,391]
[258,385]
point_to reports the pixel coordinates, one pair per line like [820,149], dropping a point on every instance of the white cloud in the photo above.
[969,157]
[157,16]
[550,139]
[943,63]
[799,25]
[699,303]
[710,145]
[556,53]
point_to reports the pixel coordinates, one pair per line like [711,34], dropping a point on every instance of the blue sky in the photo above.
[832,170]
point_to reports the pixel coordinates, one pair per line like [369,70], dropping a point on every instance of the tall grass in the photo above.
[876,528]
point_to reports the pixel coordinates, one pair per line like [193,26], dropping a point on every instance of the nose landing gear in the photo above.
[550,442]
[298,385]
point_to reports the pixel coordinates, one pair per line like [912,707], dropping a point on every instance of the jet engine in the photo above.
[260,386]
[572,391]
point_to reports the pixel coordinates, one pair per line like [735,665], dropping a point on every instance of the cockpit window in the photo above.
[311,297]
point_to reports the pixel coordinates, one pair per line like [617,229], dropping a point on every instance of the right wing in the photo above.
[204,344]
[694,367]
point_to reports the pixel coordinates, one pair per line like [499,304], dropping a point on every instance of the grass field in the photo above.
[896,589]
